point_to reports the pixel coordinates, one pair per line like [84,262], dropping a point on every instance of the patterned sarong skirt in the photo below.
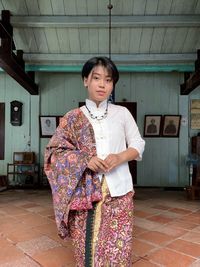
[102,237]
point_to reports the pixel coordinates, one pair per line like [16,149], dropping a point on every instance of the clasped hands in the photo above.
[109,163]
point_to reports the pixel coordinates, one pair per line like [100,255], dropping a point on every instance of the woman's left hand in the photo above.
[112,160]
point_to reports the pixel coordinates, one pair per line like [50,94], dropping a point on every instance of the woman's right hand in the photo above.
[97,165]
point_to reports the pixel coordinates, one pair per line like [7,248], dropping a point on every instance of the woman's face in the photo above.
[99,84]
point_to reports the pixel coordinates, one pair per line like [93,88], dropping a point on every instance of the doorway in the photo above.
[2,130]
[132,107]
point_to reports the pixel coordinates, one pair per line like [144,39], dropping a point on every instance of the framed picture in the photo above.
[48,125]
[171,125]
[152,125]
[195,114]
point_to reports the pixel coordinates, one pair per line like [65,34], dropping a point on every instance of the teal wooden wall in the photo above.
[24,137]
[155,93]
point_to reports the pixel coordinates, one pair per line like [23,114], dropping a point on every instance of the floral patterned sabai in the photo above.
[73,185]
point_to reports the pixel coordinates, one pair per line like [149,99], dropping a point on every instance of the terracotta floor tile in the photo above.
[195,264]
[196,229]
[156,237]
[142,214]
[31,229]
[36,209]
[4,243]
[146,224]
[10,226]
[52,217]
[23,262]
[171,215]
[64,243]
[56,257]
[2,211]
[172,231]
[149,210]
[22,235]
[186,247]
[170,258]
[47,212]
[144,263]
[22,202]
[183,224]
[194,218]
[192,237]
[10,253]
[34,220]
[180,211]
[161,207]
[160,219]
[29,205]
[138,230]
[49,228]
[14,210]
[17,216]
[141,248]
[135,258]
[33,246]
[6,218]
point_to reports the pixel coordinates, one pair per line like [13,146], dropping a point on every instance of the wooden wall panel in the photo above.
[155,93]
[16,137]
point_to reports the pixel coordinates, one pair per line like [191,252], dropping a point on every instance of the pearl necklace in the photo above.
[98,117]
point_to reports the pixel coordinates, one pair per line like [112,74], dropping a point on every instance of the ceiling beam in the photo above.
[10,62]
[136,59]
[122,68]
[192,80]
[191,83]
[102,21]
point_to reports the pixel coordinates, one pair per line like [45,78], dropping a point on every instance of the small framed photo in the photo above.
[171,125]
[152,125]
[48,125]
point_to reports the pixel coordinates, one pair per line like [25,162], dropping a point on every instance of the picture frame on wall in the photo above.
[48,125]
[195,114]
[171,125]
[152,125]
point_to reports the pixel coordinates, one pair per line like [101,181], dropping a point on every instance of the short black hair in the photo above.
[101,61]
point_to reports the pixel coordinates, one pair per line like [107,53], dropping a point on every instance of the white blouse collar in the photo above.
[92,105]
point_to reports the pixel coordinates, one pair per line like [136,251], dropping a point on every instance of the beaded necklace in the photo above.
[98,117]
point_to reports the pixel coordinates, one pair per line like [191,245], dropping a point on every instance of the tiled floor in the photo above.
[166,232]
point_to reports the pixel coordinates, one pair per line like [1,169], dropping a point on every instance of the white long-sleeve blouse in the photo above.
[114,134]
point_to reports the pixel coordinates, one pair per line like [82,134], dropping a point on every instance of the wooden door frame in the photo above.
[2,130]
[132,107]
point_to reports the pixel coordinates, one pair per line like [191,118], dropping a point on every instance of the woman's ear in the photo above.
[85,81]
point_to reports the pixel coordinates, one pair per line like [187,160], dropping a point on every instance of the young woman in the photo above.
[86,162]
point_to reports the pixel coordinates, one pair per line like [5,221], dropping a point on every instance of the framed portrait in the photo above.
[48,125]
[171,125]
[152,125]
[195,114]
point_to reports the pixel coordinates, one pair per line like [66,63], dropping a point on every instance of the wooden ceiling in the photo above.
[61,33]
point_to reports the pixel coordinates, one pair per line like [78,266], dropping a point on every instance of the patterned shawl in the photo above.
[73,185]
